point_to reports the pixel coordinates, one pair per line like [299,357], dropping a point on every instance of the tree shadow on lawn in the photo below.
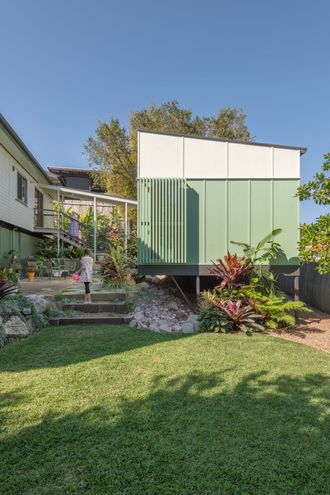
[55,347]
[192,434]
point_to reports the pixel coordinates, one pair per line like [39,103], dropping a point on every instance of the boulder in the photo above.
[132,323]
[143,285]
[173,306]
[41,303]
[16,327]
[187,327]
[193,319]
[26,311]
[139,316]
[166,326]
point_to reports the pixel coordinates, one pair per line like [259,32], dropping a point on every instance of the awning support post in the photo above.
[58,223]
[126,230]
[95,227]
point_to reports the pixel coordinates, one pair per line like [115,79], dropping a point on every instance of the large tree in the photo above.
[112,151]
[314,245]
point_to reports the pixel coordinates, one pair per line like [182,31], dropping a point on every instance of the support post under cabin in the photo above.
[198,285]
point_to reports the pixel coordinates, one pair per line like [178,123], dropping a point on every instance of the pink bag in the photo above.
[75,277]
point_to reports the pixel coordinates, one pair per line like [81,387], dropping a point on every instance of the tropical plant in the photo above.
[114,268]
[277,310]
[240,317]
[6,288]
[266,249]
[230,271]
[314,245]
[209,317]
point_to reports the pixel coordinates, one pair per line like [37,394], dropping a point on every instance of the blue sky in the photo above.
[67,63]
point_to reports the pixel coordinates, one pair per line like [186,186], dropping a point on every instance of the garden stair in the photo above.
[107,307]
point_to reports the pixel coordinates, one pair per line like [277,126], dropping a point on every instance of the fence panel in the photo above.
[314,289]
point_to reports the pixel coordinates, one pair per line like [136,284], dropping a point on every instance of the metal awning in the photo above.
[78,193]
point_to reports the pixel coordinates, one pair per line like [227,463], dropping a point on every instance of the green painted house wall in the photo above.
[22,242]
[218,211]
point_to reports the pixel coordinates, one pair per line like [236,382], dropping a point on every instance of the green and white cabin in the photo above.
[196,195]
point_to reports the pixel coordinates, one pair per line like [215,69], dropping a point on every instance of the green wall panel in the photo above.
[215,240]
[238,214]
[25,244]
[261,210]
[286,216]
[195,222]
[220,211]
[217,212]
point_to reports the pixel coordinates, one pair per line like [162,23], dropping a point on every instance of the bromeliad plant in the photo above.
[240,317]
[230,271]
[247,298]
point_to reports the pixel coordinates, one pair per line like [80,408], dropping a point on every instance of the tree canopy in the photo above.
[112,151]
[314,244]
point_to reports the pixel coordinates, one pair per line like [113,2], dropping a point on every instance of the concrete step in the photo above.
[89,319]
[97,296]
[97,307]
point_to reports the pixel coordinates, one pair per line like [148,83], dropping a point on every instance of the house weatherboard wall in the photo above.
[28,196]
[21,178]
[196,195]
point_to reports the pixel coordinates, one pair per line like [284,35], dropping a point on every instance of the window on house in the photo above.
[21,188]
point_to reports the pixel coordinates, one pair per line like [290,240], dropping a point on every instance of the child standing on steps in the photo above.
[86,273]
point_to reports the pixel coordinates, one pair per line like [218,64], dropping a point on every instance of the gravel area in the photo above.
[313,329]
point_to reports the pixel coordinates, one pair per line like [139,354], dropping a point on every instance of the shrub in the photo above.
[209,317]
[240,317]
[114,268]
[6,288]
[230,271]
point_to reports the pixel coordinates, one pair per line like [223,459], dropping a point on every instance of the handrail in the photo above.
[47,219]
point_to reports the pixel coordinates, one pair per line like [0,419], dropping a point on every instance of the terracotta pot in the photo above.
[31,276]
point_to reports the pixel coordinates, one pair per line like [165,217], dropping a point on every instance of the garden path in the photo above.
[313,329]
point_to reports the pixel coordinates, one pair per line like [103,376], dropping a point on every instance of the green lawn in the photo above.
[112,410]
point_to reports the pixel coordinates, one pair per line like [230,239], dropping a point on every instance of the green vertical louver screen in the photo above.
[161,221]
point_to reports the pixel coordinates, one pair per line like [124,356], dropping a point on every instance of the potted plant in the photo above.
[31,269]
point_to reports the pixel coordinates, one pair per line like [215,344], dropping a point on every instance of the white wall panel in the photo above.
[286,164]
[206,157]
[160,155]
[248,161]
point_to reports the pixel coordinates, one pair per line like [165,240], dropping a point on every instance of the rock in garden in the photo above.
[172,305]
[193,319]
[138,316]
[132,323]
[15,326]
[166,326]
[26,311]
[41,303]
[187,327]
